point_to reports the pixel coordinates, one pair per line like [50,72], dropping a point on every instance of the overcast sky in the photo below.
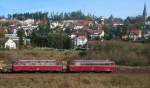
[118,8]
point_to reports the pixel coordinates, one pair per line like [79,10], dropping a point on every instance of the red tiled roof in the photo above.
[82,37]
[135,31]
[82,22]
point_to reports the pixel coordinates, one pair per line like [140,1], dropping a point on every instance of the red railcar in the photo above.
[38,65]
[91,65]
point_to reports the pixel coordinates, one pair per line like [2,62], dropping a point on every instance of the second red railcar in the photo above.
[91,66]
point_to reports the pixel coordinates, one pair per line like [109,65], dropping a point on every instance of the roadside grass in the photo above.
[78,81]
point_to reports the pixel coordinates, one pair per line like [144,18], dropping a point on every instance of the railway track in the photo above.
[120,71]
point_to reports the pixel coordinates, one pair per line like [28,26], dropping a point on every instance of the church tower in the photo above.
[145,14]
[101,24]
[101,27]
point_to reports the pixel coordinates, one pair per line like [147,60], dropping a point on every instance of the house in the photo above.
[80,41]
[148,23]
[10,44]
[3,20]
[72,36]
[96,34]
[117,23]
[147,32]
[77,24]
[133,34]
[14,37]
[56,24]
[80,24]
[28,22]
[68,23]
[78,27]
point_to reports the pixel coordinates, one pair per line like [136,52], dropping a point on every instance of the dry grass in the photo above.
[78,81]
[123,53]
[11,55]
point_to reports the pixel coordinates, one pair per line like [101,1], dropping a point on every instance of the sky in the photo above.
[118,8]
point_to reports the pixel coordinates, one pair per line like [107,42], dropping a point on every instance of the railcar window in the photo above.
[34,63]
[96,64]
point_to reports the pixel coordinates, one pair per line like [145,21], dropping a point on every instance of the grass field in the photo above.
[123,53]
[11,55]
[78,81]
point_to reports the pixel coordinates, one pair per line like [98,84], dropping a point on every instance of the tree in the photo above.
[60,41]
[21,35]
[24,16]
[67,42]
[2,33]
[53,40]
[67,31]
[40,37]
[148,18]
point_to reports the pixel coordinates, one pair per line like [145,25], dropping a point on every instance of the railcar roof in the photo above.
[33,60]
[92,61]
[96,62]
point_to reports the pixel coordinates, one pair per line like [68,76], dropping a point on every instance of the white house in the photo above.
[56,24]
[14,37]
[148,23]
[81,41]
[10,44]
[73,36]
[28,22]
[102,34]
[3,20]
[96,34]
[78,27]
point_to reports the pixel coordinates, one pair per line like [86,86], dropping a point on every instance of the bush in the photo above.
[123,53]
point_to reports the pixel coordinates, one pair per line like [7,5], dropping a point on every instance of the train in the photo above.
[60,66]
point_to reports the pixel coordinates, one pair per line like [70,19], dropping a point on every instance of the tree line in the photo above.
[24,16]
[52,16]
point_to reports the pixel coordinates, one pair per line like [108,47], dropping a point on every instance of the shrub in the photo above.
[123,53]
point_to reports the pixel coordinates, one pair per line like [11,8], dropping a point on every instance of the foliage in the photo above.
[44,37]
[123,53]
[21,35]
[60,41]
[52,16]
[24,16]
[2,34]
[75,15]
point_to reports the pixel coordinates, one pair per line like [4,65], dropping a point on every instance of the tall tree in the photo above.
[21,35]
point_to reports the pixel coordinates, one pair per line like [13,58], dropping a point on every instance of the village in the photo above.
[79,30]
[74,44]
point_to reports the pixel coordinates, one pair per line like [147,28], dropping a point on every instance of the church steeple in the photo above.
[145,13]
